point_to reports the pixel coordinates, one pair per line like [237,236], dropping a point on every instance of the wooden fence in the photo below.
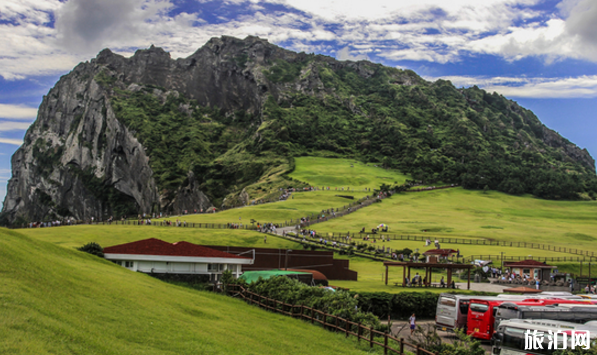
[499,258]
[387,342]
[377,237]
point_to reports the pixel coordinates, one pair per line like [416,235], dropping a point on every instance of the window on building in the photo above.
[128,264]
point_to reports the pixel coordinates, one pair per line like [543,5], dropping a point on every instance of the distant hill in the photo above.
[120,136]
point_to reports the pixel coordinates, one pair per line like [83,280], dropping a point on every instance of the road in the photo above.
[400,329]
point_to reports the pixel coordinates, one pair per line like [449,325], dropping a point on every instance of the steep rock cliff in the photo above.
[120,136]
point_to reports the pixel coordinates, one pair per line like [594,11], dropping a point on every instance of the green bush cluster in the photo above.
[340,303]
[93,249]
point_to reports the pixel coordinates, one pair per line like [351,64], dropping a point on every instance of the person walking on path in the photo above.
[412,321]
[265,239]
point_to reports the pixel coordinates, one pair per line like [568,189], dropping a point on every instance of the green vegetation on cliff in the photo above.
[316,106]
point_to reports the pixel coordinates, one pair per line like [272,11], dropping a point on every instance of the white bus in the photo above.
[567,312]
[510,337]
[452,310]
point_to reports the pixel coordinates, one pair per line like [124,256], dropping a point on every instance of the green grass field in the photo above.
[76,236]
[301,205]
[55,300]
[460,213]
[339,173]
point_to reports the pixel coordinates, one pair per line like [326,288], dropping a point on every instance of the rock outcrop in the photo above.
[89,153]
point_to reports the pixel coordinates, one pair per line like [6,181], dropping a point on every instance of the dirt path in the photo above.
[400,329]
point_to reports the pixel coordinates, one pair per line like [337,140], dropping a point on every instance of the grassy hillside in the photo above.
[301,204]
[345,173]
[493,215]
[76,236]
[54,300]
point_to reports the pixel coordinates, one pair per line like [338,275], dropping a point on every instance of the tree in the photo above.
[93,249]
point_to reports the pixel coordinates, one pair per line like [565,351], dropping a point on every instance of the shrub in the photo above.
[340,303]
[92,248]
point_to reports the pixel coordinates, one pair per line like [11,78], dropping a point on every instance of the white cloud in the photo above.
[577,87]
[13,126]
[19,112]
[11,141]
[419,30]
[345,54]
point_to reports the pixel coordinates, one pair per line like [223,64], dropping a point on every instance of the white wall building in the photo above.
[183,258]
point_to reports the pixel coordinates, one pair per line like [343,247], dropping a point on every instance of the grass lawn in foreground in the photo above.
[301,204]
[55,300]
[76,236]
[344,173]
[459,213]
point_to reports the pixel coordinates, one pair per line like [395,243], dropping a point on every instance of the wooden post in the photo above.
[346,326]
[312,315]
[403,276]
[302,310]
[385,343]
[359,332]
[430,275]
[468,282]
[449,277]
[336,323]
[370,337]
[401,346]
[386,275]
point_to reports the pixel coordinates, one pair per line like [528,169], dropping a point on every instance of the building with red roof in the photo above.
[154,256]
[532,268]
[434,255]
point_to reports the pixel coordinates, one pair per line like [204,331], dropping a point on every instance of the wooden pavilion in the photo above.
[407,265]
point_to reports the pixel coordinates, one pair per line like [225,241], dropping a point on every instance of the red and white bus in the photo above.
[481,320]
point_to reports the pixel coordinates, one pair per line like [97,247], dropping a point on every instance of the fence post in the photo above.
[346,325]
[336,324]
[385,343]
[418,350]
[312,315]
[302,310]
[371,337]
[359,332]
[401,346]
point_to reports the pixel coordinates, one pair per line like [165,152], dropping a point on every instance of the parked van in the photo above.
[452,311]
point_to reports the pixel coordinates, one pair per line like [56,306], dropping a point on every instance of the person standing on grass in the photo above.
[412,321]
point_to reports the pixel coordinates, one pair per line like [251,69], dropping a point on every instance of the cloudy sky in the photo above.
[541,53]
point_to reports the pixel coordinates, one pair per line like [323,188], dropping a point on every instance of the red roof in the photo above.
[440,252]
[155,246]
[525,263]
[521,289]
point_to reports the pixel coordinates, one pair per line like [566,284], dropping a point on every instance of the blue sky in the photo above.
[540,53]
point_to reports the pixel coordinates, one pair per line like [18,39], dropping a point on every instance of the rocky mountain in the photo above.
[121,136]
